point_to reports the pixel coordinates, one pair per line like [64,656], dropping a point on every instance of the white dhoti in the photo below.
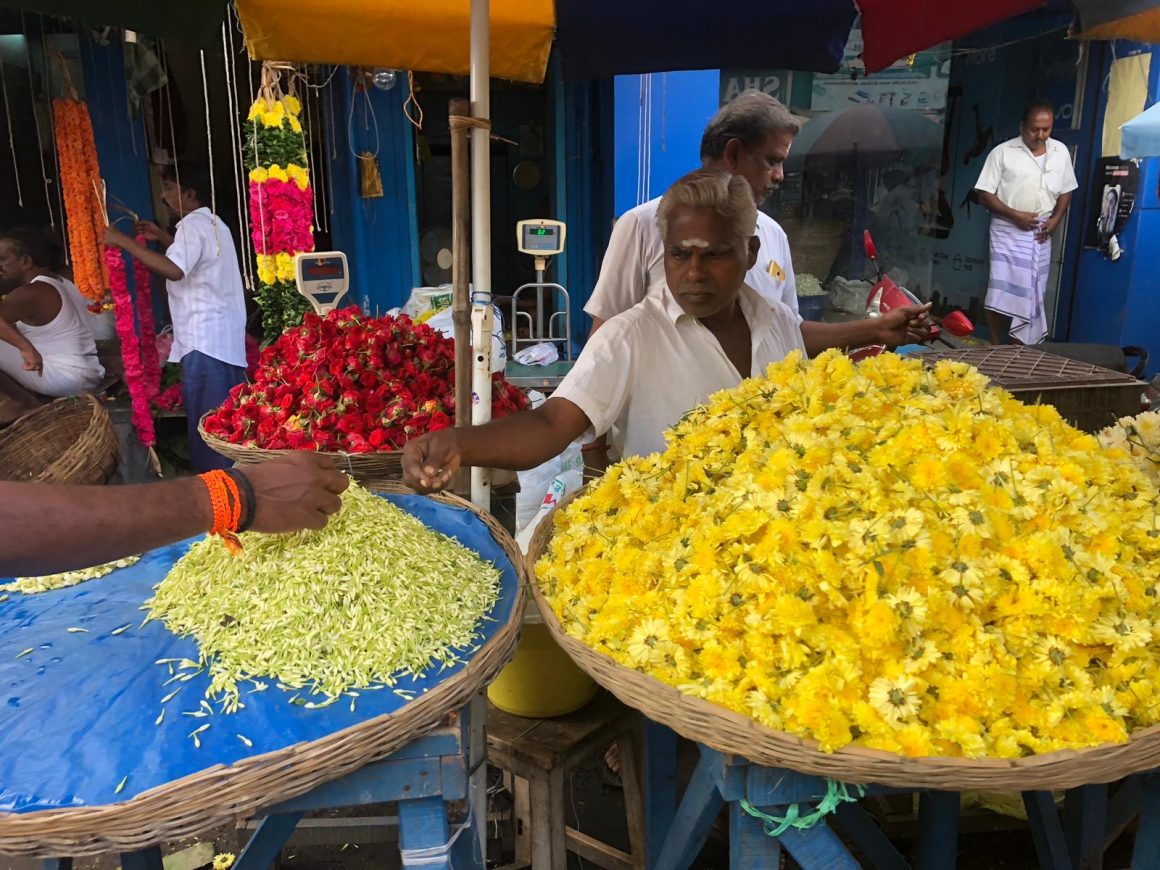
[1020,266]
[64,374]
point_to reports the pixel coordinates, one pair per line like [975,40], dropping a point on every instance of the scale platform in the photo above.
[542,378]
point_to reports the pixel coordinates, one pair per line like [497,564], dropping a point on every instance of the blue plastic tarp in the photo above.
[1140,137]
[77,713]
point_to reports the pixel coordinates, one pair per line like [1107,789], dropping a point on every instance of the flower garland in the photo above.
[150,359]
[281,202]
[135,351]
[80,176]
[879,554]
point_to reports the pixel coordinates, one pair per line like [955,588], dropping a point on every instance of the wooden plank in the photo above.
[423,826]
[376,783]
[871,841]
[693,820]
[263,848]
[750,848]
[817,848]
[596,852]
[517,744]
[522,820]
[1046,830]
[938,829]
[549,846]
[1085,819]
[630,777]
[1146,854]
[660,786]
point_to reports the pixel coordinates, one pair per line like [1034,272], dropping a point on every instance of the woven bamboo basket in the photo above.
[369,469]
[71,440]
[735,734]
[814,244]
[218,795]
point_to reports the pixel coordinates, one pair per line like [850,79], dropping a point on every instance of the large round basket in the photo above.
[369,469]
[220,794]
[733,733]
[71,440]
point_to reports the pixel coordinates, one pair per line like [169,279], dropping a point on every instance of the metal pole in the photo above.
[481,311]
[460,266]
[481,323]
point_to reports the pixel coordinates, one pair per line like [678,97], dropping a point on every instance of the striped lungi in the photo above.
[1020,266]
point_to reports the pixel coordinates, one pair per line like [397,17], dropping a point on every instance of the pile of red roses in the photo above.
[350,383]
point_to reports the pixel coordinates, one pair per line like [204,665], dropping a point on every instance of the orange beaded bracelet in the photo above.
[227,508]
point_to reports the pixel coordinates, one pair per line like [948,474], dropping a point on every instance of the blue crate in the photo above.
[812,307]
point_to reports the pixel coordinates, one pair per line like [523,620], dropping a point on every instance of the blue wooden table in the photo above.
[423,777]
[1074,838]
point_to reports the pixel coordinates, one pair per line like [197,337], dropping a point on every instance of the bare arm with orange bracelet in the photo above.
[45,529]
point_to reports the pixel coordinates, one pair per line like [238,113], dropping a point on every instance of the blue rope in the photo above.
[837,793]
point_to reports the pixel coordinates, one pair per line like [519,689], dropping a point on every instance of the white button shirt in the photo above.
[645,368]
[1014,175]
[208,305]
[634,264]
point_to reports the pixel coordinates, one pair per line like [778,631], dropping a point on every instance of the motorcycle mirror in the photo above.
[958,324]
[868,244]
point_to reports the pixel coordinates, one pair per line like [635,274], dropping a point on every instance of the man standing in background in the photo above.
[1026,185]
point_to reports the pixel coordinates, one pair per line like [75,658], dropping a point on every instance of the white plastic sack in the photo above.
[558,487]
[535,482]
[443,322]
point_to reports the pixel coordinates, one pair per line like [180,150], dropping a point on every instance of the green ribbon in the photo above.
[837,793]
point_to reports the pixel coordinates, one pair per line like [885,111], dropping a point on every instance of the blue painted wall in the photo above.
[1119,302]
[682,103]
[378,235]
[121,147]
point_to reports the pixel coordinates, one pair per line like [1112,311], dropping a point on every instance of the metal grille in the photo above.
[1017,367]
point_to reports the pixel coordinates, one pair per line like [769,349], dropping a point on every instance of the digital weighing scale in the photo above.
[542,239]
[323,278]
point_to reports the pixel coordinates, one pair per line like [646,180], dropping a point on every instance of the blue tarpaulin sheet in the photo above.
[77,713]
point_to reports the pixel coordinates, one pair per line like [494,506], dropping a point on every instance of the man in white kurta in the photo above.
[206,300]
[1026,184]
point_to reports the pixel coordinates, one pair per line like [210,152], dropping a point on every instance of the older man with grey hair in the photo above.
[702,332]
[750,137]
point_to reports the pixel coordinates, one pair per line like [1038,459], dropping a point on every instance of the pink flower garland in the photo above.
[143,284]
[130,345]
[284,214]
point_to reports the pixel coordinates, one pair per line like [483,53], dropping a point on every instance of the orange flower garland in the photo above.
[80,175]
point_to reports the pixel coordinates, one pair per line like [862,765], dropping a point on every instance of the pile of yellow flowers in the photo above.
[879,554]
[1139,437]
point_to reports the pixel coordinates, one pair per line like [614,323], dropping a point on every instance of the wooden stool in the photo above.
[540,754]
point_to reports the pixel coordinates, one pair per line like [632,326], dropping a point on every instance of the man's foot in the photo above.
[611,772]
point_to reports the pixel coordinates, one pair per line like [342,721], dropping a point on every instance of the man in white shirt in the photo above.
[1026,184]
[206,299]
[704,331]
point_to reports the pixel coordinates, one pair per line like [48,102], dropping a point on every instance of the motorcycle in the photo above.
[886,295]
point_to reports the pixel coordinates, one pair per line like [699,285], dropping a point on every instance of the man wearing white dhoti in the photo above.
[1026,184]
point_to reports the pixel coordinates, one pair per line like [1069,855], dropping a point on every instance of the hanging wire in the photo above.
[208,138]
[368,109]
[414,115]
[309,142]
[36,122]
[55,153]
[11,133]
[240,175]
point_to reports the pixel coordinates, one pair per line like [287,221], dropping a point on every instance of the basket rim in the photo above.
[233,451]
[1062,769]
[218,794]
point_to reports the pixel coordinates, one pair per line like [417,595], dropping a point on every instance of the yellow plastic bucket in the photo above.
[541,681]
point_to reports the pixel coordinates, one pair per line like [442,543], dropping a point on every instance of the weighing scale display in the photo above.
[540,237]
[322,275]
